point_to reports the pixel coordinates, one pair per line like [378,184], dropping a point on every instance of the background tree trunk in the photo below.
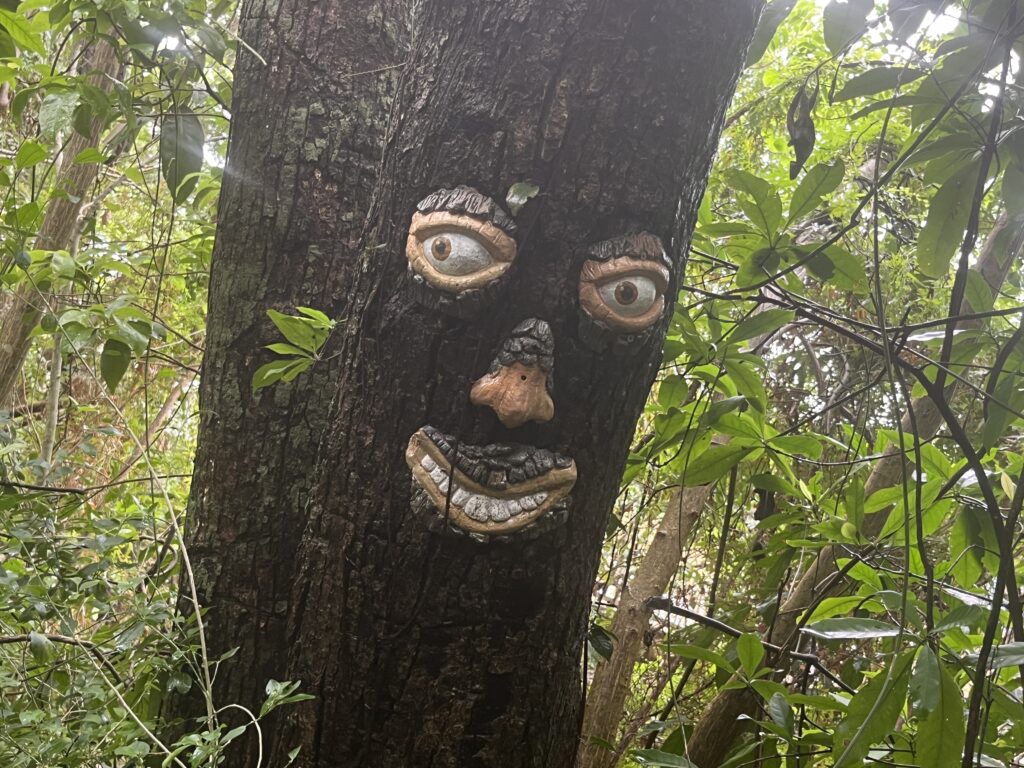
[422,648]
[21,309]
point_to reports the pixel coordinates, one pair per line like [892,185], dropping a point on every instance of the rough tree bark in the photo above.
[720,725]
[424,648]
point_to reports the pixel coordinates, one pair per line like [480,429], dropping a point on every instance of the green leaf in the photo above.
[40,646]
[851,629]
[287,349]
[712,464]
[940,737]
[872,714]
[780,712]
[114,362]
[800,445]
[771,18]
[750,652]
[818,182]
[748,183]
[1009,655]
[925,691]
[55,112]
[304,333]
[845,22]
[947,218]
[601,641]
[519,194]
[656,757]
[29,153]
[21,32]
[181,153]
[761,324]
[877,80]
[90,155]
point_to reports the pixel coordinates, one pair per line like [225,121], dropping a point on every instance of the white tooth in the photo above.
[500,511]
[460,496]
[428,463]
[514,507]
[540,498]
[443,485]
[476,508]
[438,474]
[529,503]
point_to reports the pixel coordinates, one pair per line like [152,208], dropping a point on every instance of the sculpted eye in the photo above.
[630,296]
[623,286]
[456,254]
[460,240]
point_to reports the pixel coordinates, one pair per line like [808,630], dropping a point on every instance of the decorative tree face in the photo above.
[461,250]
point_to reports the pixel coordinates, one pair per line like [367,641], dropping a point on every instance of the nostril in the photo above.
[522,378]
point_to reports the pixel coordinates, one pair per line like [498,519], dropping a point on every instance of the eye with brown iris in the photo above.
[626,292]
[441,248]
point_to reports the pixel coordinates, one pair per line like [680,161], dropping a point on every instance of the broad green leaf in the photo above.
[1009,655]
[876,80]
[760,324]
[114,362]
[281,348]
[947,218]
[181,153]
[712,464]
[28,154]
[940,736]
[764,214]
[845,22]
[748,382]
[601,641]
[55,112]
[771,18]
[774,483]
[925,687]
[781,712]
[661,759]
[746,182]
[21,32]
[750,652]
[90,155]
[872,713]
[299,331]
[800,445]
[851,628]
[41,647]
[818,182]
[284,369]
[835,606]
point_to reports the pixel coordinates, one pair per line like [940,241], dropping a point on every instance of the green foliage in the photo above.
[830,304]
[306,336]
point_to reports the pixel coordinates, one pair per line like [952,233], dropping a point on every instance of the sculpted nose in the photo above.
[520,380]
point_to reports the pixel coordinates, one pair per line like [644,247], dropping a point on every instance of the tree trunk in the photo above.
[21,310]
[423,647]
[612,678]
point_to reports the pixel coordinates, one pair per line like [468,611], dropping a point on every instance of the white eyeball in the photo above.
[629,296]
[453,253]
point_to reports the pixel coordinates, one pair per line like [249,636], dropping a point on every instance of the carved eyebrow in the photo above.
[468,201]
[641,245]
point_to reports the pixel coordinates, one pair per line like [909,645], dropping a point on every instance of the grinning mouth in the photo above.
[489,489]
